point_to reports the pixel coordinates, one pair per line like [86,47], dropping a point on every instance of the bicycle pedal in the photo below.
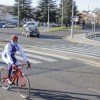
[12,84]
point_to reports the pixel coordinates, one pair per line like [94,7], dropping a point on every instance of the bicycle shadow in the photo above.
[58,95]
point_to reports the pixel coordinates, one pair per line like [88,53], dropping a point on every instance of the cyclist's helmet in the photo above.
[14,37]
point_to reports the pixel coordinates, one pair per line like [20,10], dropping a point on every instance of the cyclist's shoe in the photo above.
[9,81]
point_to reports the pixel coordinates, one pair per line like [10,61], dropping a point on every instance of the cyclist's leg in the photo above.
[10,66]
[9,69]
[4,58]
[15,62]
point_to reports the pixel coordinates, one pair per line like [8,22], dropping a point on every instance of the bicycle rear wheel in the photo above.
[3,77]
[23,85]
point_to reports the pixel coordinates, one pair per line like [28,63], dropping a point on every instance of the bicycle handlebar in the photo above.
[20,65]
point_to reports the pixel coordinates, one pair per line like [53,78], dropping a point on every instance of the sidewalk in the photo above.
[80,38]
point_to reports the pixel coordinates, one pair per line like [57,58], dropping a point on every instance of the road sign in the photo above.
[74,18]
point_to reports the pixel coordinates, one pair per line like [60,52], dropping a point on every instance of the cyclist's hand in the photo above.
[14,66]
[28,63]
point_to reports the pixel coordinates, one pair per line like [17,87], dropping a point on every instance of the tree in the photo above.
[43,10]
[97,12]
[67,10]
[24,9]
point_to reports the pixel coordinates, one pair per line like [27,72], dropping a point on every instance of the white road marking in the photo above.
[91,64]
[32,61]
[39,57]
[48,54]
[93,90]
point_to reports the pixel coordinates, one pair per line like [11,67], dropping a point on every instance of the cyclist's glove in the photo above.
[28,63]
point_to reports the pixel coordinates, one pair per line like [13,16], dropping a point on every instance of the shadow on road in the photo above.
[58,95]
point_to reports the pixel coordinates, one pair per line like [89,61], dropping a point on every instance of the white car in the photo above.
[9,26]
[31,24]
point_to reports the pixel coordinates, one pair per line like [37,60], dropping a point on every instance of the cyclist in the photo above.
[8,55]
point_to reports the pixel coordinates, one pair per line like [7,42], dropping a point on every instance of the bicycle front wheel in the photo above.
[3,78]
[23,85]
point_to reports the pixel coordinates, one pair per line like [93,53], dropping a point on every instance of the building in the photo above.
[5,15]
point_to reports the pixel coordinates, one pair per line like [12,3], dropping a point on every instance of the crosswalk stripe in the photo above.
[48,54]
[32,61]
[84,51]
[87,50]
[39,57]
[45,58]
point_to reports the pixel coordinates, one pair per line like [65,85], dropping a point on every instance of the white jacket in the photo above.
[8,51]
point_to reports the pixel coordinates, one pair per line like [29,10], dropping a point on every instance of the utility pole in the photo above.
[88,15]
[72,19]
[48,15]
[62,15]
[18,13]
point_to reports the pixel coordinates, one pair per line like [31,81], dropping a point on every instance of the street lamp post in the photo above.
[72,19]
[48,15]
[62,15]
[18,13]
[94,15]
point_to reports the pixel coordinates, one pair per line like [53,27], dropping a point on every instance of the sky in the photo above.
[82,4]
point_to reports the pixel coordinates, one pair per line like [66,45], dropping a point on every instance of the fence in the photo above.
[92,34]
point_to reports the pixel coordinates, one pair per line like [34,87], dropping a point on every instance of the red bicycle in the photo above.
[22,81]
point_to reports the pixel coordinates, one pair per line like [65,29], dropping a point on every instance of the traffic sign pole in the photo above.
[72,18]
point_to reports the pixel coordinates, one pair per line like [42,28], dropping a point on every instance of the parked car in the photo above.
[9,26]
[1,24]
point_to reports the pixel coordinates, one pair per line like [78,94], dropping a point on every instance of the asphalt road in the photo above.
[54,77]
[51,38]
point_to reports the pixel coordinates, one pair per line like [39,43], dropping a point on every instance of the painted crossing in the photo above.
[82,49]
[37,57]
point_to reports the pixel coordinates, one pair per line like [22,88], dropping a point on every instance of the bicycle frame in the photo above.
[16,75]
